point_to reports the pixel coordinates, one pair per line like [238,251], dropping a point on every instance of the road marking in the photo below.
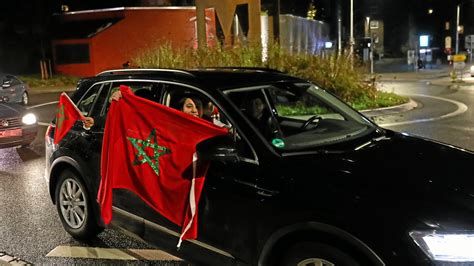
[39,105]
[6,259]
[461,109]
[111,253]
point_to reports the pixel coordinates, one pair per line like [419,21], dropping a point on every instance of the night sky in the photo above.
[26,26]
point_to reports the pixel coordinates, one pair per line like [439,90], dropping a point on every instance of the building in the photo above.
[88,42]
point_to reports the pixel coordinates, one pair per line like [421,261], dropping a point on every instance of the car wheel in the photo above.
[75,207]
[25,98]
[306,253]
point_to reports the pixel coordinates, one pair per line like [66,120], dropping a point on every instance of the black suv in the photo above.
[303,179]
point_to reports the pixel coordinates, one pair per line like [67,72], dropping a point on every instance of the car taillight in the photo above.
[48,132]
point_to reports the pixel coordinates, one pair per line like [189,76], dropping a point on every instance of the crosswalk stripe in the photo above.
[111,253]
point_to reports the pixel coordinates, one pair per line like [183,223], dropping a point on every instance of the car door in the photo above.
[229,195]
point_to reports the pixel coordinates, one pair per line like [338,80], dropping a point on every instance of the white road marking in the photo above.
[461,109]
[111,253]
[39,105]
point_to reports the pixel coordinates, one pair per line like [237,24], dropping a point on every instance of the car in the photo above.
[18,126]
[13,90]
[313,182]
[471,71]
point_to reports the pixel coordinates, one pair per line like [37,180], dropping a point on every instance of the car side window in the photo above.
[148,90]
[101,101]
[87,101]
[209,110]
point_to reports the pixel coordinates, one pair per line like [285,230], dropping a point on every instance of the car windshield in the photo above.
[298,116]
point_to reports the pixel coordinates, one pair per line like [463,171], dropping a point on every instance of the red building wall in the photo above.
[140,28]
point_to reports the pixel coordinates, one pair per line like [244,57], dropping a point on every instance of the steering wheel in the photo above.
[316,118]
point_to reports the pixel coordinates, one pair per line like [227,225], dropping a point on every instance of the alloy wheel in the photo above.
[315,262]
[24,98]
[73,203]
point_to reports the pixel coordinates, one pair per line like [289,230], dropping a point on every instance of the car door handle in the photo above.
[87,134]
[265,193]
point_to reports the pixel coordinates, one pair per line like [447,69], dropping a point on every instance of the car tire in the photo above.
[25,99]
[74,206]
[310,253]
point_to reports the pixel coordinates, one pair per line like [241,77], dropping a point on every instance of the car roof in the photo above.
[221,78]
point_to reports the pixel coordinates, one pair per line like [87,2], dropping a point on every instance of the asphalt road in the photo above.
[30,228]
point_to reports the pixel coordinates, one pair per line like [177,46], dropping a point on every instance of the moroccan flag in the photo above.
[66,115]
[150,149]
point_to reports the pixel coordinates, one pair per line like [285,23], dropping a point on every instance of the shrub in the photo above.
[333,72]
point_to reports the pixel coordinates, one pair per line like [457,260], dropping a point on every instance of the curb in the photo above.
[50,90]
[410,105]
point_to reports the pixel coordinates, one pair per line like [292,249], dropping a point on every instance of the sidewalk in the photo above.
[439,75]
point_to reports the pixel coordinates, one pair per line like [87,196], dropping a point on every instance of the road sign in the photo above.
[469,42]
[459,58]
[459,65]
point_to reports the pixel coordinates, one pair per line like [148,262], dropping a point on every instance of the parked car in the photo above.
[13,90]
[315,182]
[18,126]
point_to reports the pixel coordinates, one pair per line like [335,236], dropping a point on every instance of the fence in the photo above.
[301,35]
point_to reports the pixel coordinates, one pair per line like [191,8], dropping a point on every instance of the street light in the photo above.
[458,11]
[351,37]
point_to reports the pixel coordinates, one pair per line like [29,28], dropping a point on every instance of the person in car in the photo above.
[190,105]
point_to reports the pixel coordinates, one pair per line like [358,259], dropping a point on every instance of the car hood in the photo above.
[386,167]
[10,110]
[406,160]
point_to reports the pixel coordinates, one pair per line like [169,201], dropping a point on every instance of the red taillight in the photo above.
[48,131]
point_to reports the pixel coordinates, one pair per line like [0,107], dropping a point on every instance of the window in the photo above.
[174,94]
[72,54]
[85,104]
[298,115]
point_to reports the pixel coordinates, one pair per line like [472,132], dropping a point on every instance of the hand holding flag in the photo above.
[66,115]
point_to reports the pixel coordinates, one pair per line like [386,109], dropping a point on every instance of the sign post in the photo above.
[459,63]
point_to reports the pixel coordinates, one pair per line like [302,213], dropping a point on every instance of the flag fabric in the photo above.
[150,149]
[66,115]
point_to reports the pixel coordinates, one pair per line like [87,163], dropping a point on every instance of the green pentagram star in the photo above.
[60,117]
[153,160]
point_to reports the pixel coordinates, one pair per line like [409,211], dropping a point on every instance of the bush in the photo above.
[333,72]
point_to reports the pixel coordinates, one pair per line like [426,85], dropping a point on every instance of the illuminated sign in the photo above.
[424,40]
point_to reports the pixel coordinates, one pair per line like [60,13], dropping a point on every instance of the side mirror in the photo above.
[220,148]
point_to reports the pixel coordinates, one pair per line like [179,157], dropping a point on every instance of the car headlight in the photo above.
[29,119]
[446,246]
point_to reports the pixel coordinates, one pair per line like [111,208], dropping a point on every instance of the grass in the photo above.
[35,81]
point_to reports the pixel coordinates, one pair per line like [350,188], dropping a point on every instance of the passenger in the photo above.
[190,105]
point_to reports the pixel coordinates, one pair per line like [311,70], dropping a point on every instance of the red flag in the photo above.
[149,149]
[66,115]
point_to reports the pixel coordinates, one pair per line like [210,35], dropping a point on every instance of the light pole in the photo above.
[458,11]
[351,37]
[371,46]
